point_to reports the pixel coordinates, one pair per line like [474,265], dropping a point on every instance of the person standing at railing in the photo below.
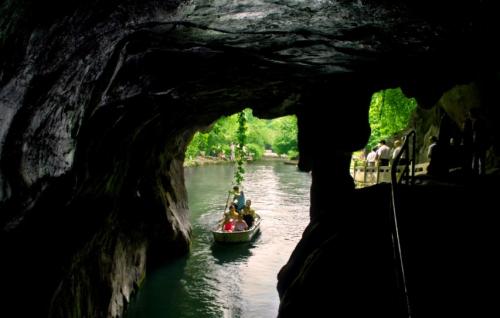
[437,165]
[467,145]
[456,154]
[371,158]
[448,130]
[397,149]
[383,153]
[480,142]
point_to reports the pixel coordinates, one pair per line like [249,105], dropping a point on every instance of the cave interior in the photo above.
[99,100]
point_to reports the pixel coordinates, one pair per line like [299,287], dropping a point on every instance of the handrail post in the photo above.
[378,173]
[365,172]
[354,170]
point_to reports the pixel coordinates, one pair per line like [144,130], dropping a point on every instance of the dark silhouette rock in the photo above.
[98,100]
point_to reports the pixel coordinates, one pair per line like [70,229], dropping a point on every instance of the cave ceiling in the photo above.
[323,36]
[211,51]
[266,53]
[197,60]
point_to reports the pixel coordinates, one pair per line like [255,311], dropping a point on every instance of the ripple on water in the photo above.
[231,280]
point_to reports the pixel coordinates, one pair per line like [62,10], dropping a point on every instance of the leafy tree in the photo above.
[255,151]
[286,140]
[278,134]
[258,132]
[390,111]
[220,136]
[198,142]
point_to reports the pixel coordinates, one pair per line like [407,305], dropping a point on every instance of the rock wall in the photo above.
[98,100]
[456,104]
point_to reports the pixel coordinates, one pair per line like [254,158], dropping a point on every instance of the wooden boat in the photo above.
[237,236]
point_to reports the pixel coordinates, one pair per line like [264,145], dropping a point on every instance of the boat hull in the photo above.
[239,236]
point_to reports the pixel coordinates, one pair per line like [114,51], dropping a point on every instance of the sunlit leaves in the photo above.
[278,134]
[286,140]
[390,111]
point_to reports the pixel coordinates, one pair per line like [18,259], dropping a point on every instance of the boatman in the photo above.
[238,198]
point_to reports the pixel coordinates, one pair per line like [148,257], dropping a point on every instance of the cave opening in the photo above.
[98,102]
[271,137]
[220,279]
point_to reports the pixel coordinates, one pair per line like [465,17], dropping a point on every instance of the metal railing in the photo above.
[407,175]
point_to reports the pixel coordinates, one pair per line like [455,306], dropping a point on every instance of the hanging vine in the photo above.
[240,155]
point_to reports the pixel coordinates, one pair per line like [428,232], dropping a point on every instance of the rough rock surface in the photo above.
[98,100]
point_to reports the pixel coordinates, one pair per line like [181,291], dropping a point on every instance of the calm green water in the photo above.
[237,280]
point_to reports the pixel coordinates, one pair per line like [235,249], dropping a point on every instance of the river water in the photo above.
[237,281]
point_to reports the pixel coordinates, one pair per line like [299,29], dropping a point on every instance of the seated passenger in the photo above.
[229,218]
[233,214]
[248,213]
[228,225]
[240,224]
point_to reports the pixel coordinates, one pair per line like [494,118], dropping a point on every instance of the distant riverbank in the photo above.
[207,160]
[204,160]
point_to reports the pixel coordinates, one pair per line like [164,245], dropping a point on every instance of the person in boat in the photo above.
[240,224]
[229,219]
[228,224]
[238,198]
[233,213]
[248,213]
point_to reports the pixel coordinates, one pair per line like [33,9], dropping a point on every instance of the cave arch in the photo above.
[77,79]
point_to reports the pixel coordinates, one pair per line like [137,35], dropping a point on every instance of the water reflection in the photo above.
[230,253]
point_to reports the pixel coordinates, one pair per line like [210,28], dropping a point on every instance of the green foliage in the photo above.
[278,134]
[255,151]
[198,142]
[390,111]
[286,140]
[220,137]
[240,156]
[293,154]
